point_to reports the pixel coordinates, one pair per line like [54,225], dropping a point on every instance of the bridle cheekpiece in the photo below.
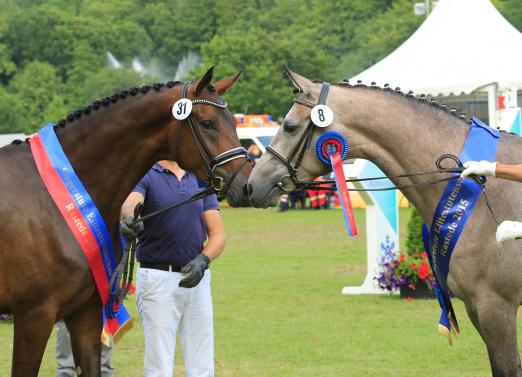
[211,163]
[290,182]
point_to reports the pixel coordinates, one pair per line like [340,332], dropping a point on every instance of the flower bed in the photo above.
[409,270]
[406,270]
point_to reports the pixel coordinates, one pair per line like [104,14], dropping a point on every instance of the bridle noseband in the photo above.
[290,182]
[216,182]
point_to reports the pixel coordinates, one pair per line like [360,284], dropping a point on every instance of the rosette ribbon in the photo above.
[332,149]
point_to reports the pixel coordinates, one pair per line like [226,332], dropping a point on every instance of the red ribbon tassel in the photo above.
[342,190]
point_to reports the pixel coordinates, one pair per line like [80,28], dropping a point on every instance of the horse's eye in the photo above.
[288,127]
[209,124]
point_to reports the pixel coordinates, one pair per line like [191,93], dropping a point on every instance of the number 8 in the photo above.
[321,115]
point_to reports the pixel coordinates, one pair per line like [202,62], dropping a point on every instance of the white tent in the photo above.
[463,46]
[8,138]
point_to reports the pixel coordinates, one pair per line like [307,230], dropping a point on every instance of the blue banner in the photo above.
[453,211]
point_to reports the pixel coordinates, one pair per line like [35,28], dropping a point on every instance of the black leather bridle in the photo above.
[290,182]
[216,182]
[216,185]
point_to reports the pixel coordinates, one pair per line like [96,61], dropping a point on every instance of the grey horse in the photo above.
[404,134]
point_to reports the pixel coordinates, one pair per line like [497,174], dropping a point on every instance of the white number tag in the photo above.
[182,108]
[322,115]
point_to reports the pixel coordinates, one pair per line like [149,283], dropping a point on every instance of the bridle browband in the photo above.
[290,182]
[217,183]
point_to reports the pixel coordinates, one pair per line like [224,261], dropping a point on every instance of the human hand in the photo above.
[194,271]
[509,230]
[129,230]
[484,168]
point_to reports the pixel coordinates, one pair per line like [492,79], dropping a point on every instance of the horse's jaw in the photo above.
[263,189]
[237,196]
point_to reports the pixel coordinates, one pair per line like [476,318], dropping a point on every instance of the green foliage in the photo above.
[414,240]
[191,23]
[68,40]
[260,55]
[12,116]
[375,40]
[512,10]
[107,81]
[36,87]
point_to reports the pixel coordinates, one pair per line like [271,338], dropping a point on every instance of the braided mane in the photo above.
[422,98]
[105,102]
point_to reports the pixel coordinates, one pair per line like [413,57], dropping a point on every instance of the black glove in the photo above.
[130,231]
[194,270]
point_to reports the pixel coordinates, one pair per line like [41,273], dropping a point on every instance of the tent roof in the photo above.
[462,46]
[8,138]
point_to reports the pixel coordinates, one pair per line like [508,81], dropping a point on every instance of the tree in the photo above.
[260,55]
[107,81]
[414,240]
[181,28]
[511,10]
[12,115]
[379,36]
[39,33]
[35,87]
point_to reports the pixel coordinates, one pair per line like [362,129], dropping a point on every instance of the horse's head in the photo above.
[291,157]
[207,129]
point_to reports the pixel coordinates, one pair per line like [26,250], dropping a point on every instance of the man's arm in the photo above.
[216,234]
[195,269]
[127,209]
[512,172]
[129,231]
[493,169]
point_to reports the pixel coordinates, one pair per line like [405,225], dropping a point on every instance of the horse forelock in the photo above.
[211,88]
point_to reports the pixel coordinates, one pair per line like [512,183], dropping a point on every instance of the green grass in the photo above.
[279,310]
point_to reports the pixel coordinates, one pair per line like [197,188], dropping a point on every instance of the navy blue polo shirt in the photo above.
[175,236]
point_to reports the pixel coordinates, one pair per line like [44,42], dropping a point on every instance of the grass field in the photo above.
[279,310]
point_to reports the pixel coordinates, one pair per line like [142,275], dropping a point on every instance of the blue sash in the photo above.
[453,211]
[82,217]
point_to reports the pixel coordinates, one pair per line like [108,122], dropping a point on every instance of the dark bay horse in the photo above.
[44,275]
[404,134]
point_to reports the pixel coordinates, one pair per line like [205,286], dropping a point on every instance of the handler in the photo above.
[173,283]
[507,230]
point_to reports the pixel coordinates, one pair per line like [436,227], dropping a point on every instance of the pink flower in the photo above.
[424,255]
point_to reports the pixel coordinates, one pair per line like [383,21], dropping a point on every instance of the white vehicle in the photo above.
[256,129]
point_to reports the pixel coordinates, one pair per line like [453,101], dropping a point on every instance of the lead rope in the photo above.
[122,275]
[480,180]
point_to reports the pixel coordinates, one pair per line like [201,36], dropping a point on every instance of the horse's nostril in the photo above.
[247,190]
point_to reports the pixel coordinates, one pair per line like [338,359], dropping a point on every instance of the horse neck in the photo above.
[402,135]
[112,149]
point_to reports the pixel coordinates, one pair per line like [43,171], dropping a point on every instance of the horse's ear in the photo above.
[300,83]
[204,81]
[223,85]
